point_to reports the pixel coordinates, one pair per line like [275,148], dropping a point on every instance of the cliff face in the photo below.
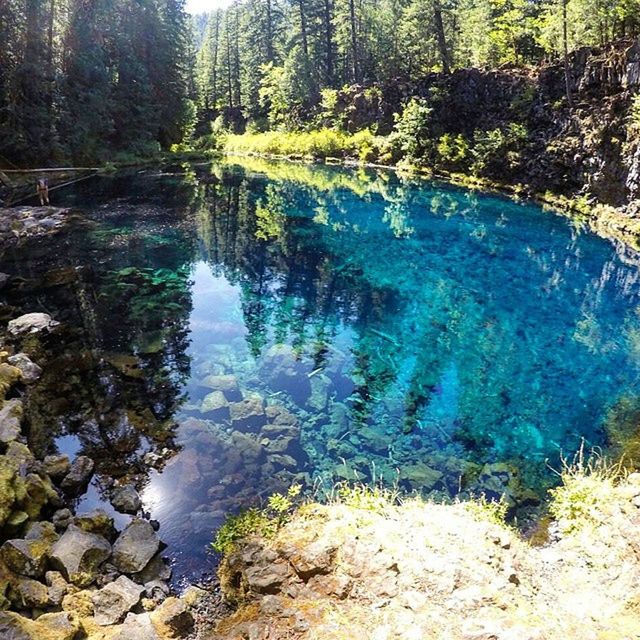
[591,148]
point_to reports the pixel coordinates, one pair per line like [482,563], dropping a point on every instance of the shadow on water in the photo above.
[229,330]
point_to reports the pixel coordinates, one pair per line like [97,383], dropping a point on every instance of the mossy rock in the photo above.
[9,375]
[8,497]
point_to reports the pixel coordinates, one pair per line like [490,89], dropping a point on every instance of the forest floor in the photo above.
[369,569]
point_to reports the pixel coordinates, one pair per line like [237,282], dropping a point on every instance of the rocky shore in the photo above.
[364,567]
[64,576]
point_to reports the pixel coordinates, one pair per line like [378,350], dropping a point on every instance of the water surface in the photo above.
[375,327]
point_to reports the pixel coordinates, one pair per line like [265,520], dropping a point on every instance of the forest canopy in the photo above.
[92,80]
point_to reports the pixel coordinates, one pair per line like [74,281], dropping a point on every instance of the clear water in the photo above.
[397,330]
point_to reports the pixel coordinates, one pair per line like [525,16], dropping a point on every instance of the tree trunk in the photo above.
[303,31]
[565,46]
[328,34]
[269,32]
[354,41]
[440,35]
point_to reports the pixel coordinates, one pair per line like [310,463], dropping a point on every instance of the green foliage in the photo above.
[453,151]
[261,522]
[497,151]
[325,143]
[588,486]
[412,131]
[364,497]
[634,115]
[494,511]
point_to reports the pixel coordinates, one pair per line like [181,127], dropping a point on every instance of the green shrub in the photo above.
[453,151]
[411,133]
[499,150]
[262,522]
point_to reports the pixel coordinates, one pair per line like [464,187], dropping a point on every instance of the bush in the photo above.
[411,133]
[498,151]
[453,151]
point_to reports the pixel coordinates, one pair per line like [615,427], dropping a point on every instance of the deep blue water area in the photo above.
[230,330]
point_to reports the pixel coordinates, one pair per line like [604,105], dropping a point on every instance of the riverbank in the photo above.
[367,567]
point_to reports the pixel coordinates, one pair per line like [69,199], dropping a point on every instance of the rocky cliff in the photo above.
[589,147]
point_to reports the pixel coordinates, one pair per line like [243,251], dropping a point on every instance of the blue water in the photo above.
[395,330]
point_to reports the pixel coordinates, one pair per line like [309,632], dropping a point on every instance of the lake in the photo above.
[229,330]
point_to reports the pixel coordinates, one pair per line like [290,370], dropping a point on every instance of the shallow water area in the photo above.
[230,330]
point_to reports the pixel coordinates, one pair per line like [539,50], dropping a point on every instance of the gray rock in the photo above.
[61,519]
[28,556]
[4,279]
[50,625]
[215,405]
[135,547]
[156,569]
[248,414]
[97,521]
[30,370]
[126,499]
[112,603]
[27,593]
[31,323]
[79,554]
[173,617]
[228,384]
[136,627]
[79,474]
[157,590]
[10,420]
[58,587]
[56,466]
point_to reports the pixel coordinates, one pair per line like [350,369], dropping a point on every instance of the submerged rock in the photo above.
[30,370]
[79,555]
[135,547]
[56,466]
[31,323]
[215,405]
[227,384]
[115,600]
[248,414]
[79,474]
[126,499]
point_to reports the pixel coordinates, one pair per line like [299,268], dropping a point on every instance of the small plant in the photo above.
[494,511]
[588,485]
[254,521]
[364,497]
[453,151]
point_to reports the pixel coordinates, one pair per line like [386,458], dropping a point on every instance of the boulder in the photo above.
[248,414]
[97,521]
[50,626]
[79,554]
[27,593]
[31,323]
[28,556]
[29,370]
[215,405]
[56,466]
[10,420]
[136,627]
[172,619]
[9,375]
[58,587]
[135,546]
[227,384]
[115,600]
[126,499]
[79,475]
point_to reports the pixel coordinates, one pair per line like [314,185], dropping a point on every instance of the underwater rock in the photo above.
[31,323]
[228,384]
[135,547]
[79,555]
[248,414]
[502,480]
[30,371]
[420,476]
[155,570]
[115,600]
[215,405]
[79,474]
[10,420]
[28,556]
[50,626]
[56,466]
[319,392]
[283,371]
[126,499]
